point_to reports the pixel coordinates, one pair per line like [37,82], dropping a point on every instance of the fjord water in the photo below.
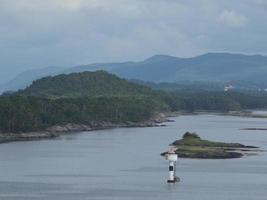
[125,164]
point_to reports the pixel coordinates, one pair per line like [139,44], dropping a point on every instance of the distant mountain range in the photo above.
[210,67]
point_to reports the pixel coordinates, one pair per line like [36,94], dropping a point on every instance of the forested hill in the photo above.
[80,98]
[95,97]
[85,84]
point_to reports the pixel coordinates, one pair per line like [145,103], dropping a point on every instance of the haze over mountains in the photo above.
[210,67]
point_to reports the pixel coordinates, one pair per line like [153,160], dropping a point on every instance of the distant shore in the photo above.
[240,113]
[55,131]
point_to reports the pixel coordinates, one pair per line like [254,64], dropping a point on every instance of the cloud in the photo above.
[40,33]
[232,19]
[148,40]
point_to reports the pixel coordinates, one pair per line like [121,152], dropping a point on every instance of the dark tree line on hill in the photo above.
[22,114]
[216,101]
[85,84]
[88,97]
[27,113]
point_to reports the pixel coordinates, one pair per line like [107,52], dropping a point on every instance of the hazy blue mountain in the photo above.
[25,78]
[208,67]
[219,67]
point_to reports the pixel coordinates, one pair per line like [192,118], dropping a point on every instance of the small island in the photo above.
[192,146]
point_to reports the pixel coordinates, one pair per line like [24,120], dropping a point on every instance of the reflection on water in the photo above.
[125,164]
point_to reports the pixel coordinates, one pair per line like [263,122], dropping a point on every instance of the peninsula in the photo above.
[77,102]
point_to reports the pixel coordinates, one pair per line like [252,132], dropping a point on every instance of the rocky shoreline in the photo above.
[245,113]
[55,131]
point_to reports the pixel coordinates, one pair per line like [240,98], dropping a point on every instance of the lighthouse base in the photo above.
[176,179]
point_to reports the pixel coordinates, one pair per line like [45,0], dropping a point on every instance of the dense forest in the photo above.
[79,98]
[18,113]
[216,101]
[85,84]
[83,98]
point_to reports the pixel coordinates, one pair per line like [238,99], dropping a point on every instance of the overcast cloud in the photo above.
[40,33]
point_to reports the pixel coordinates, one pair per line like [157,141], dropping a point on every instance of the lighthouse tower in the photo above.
[172,158]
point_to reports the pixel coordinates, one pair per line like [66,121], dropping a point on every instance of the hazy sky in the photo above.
[39,33]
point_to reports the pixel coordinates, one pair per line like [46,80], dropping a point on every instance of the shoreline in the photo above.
[72,128]
[242,113]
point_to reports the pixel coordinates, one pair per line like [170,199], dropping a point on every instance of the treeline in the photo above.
[85,84]
[30,113]
[83,98]
[23,114]
[215,101]
[79,98]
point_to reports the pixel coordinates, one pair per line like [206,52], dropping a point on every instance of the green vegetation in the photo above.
[192,139]
[81,98]
[86,84]
[216,101]
[192,146]
[84,98]
[18,113]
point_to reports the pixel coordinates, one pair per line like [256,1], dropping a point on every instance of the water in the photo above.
[260,112]
[125,164]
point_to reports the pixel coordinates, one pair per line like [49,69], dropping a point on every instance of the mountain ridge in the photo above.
[209,67]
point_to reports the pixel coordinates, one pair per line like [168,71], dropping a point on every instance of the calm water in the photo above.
[260,112]
[125,164]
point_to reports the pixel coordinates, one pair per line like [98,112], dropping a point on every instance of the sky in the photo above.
[39,33]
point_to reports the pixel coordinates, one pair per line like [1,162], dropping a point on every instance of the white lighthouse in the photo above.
[172,158]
